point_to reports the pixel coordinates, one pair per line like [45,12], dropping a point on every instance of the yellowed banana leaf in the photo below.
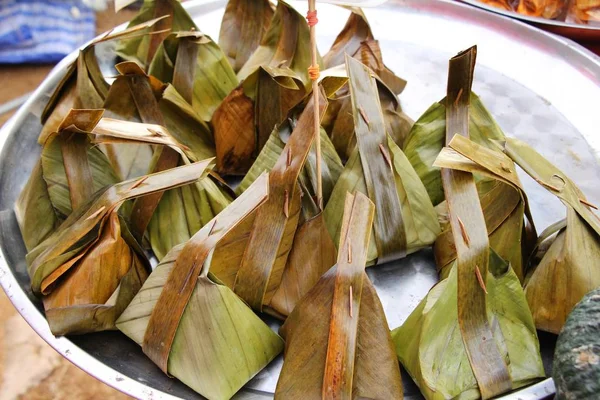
[338,343]
[69,172]
[83,86]
[174,18]
[91,267]
[426,139]
[504,203]
[185,318]
[356,39]
[242,29]
[472,336]
[197,68]
[181,212]
[430,346]
[570,266]
[272,233]
[405,219]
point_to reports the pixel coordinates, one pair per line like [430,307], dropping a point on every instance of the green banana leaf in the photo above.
[242,29]
[569,268]
[174,18]
[183,324]
[430,346]
[83,86]
[90,268]
[504,203]
[413,218]
[426,139]
[181,212]
[338,343]
[197,68]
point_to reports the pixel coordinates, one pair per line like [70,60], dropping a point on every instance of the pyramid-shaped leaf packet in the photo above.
[338,343]
[271,236]
[274,79]
[426,139]
[503,201]
[356,39]
[69,172]
[174,18]
[83,86]
[242,29]
[473,335]
[405,219]
[197,68]
[185,319]
[182,211]
[571,265]
[91,267]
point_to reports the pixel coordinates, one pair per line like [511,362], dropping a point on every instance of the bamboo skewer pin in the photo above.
[313,72]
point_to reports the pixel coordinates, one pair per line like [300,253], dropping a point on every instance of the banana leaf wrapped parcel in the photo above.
[90,268]
[405,220]
[192,325]
[570,267]
[338,342]
[473,335]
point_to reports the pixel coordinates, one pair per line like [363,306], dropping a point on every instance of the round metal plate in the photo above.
[579,32]
[541,88]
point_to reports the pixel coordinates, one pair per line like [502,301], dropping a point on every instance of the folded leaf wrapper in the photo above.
[405,218]
[174,18]
[430,347]
[69,172]
[504,203]
[185,319]
[338,342]
[356,39]
[91,267]
[426,139]
[274,79]
[570,267]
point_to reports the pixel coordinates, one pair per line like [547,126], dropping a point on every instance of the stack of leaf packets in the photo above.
[569,267]
[405,219]
[90,268]
[338,342]
[192,325]
[473,335]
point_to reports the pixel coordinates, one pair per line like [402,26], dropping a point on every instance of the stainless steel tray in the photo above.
[541,88]
[580,32]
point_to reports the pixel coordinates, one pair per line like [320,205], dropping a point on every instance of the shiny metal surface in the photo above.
[541,88]
[579,32]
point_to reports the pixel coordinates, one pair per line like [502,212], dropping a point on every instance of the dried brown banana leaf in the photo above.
[83,86]
[430,346]
[185,318]
[174,18]
[570,267]
[91,267]
[242,29]
[405,219]
[69,172]
[426,140]
[504,203]
[338,343]
[197,68]
[181,212]
[245,119]
[276,221]
[494,360]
